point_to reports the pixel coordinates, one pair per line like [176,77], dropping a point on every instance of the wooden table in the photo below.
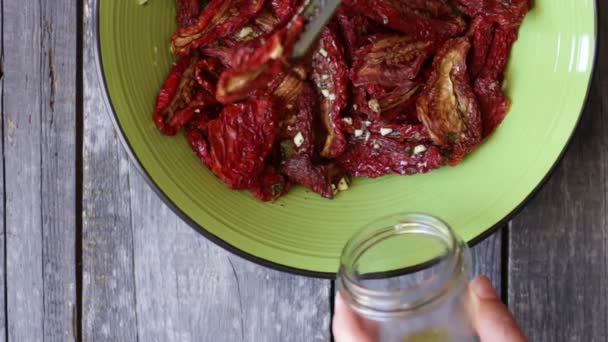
[90,253]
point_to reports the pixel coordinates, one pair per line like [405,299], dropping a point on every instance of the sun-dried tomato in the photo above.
[270,185]
[355,29]
[424,19]
[447,106]
[388,89]
[387,103]
[374,156]
[285,9]
[265,23]
[239,141]
[390,60]
[219,19]
[202,117]
[482,34]
[493,103]
[322,179]
[401,132]
[330,76]
[298,127]
[398,100]
[291,86]
[260,66]
[207,73]
[187,12]
[180,97]
[504,12]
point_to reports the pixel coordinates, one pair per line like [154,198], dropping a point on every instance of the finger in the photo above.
[347,326]
[491,318]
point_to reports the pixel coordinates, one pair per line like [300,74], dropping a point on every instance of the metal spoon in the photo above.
[318,13]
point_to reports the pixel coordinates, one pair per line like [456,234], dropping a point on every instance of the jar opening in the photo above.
[402,262]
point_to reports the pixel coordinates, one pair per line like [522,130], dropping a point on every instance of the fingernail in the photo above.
[483,289]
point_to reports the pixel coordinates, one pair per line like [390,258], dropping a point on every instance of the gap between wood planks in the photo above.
[77,323]
[5,281]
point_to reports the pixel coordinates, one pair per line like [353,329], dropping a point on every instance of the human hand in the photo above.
[490,317]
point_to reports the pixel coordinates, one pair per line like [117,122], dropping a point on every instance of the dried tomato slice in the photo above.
[207,73]
[321,179]
[180,97]
[482,34]
[488,85]
[375,156]
[355,29]
[298,127]
[330,76]
[504,12]
[270,185]
[239,141]
[265,23]
[187,12]
[260,66]
[424,19]
[291,86]
[379,102]
[285,9]
[219,19]
[447,106]
[389,61]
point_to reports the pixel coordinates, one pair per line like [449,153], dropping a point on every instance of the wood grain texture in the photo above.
[108,295]
[487,259]
[2,230]
[39,154]
[188,289]
[558,267]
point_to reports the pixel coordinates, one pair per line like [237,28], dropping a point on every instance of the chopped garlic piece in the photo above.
[324,77]
[348,120]
[277,52]
[197,111]
[355,107]
[419,149]
[366,123]
[367,135]
[298,139]
[325,92]
[323,52]
[358,132]
[386,131]
[332,97]
[343,184]
[374,105]
[245,31]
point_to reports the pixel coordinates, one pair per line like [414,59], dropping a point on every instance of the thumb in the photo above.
[347,325]
[491,318]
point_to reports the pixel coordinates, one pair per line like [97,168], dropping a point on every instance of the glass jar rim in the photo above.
[453,270]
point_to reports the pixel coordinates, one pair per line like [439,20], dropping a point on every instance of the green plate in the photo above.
[547,79]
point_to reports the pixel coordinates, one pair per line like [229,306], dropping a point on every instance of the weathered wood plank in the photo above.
[487,258]
[108,285]
[2,228]
[188,289]
[558,268]
[39,153]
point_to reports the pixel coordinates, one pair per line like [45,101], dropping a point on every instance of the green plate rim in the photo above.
[294,270]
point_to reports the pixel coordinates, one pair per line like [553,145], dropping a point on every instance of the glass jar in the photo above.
[407,276]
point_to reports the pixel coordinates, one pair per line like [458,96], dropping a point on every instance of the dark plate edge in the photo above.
[297,271]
